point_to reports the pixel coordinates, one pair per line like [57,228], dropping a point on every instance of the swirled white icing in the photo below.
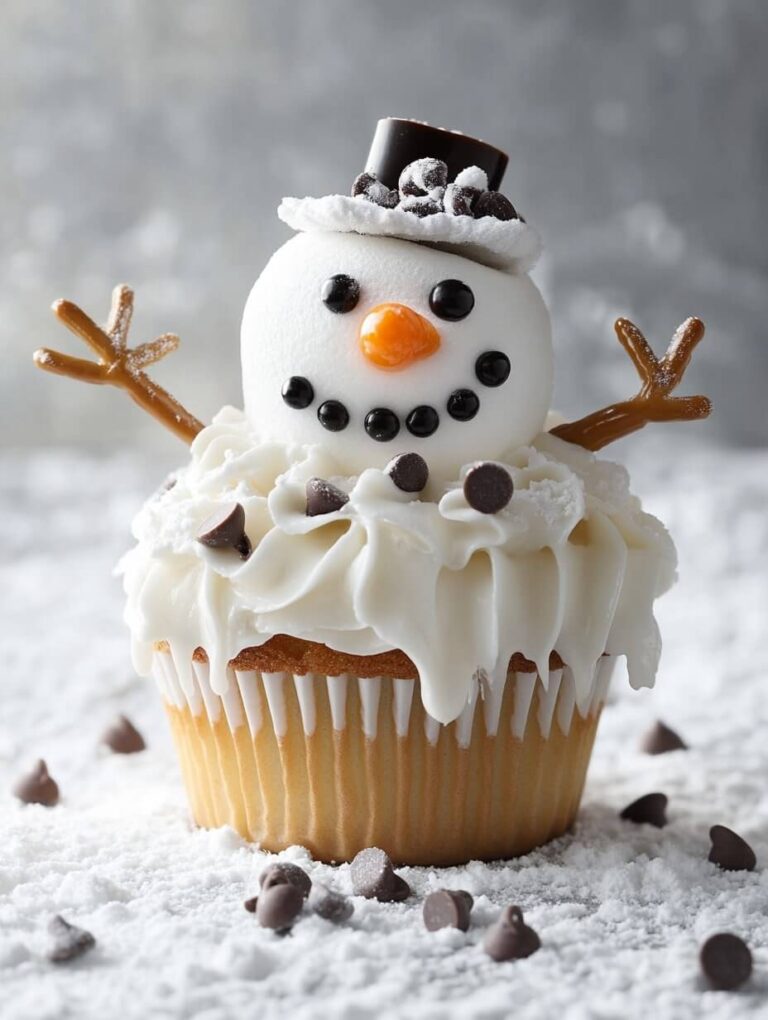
[573,564]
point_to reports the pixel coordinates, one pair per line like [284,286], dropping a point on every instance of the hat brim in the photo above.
[509,245]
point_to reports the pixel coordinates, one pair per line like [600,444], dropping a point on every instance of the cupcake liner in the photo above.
[340,763]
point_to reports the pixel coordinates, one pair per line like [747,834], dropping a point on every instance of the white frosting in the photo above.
[572,564]
[510,245]
[287,331]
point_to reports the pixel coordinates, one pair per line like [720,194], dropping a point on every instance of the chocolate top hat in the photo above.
[431,186]
[398,142]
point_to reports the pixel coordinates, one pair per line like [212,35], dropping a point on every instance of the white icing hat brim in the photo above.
[510,245]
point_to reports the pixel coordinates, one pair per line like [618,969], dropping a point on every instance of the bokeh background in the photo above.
[151,141]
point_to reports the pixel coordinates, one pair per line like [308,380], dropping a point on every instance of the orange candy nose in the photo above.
[394,336]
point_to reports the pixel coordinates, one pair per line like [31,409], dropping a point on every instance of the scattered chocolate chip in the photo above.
[511,938]
[725,961]
[660,739]
[447,908]
[122,737]
[374,877]
[729,851]
[330,905]
[279,906]
[488,488]
[250,904]
[225,529]
[283,872]
[37,787]
[648,810]
[459,201]
[68,941]
[324,498]
[409,472]
[421,177]
[493,203]
[368,186]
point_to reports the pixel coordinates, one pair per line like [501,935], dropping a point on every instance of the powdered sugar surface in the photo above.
[620,910]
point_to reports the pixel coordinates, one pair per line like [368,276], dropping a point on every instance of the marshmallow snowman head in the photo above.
[374,346]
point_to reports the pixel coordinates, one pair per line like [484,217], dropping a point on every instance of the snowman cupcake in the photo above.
[383,602]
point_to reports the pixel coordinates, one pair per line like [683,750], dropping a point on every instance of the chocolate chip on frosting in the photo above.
[660,739]
[225,529]
[493,203]
[648,810]
[409,472]
[67,940]
[324,498]
[251,903]
[122,737]
[726,961]
[279,905]
[368,186]
[511,938]
[373,877]
[423,177]
[447,908]
[729,851]
[284,872]
[330,905]
[460,201]
[37,787]
[488,488]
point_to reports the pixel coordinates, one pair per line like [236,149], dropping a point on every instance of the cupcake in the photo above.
[383,602]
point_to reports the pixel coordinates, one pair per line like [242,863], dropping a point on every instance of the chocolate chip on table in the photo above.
[510,938]
[409,472]
[284,872]
[660,739]
[447,908]
[488,488]
[729,851]
[648,810]
[279,906]
[725,961]
[37,787]
[225,529]
[373,876]
[324,498]
[122,737]
[330,905]
[67,940]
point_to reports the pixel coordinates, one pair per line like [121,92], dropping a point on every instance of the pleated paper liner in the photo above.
[337,764]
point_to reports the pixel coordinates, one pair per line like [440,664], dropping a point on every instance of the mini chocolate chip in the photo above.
[330,905]
[493,203]
[382,424]
[511,938]
[729,851]
[488,487]
[371,188]
[250,904]
[459,201]
[282,872]
[374,877]
[279,906]
[37,787]
[122,737]
[298,392]
[463,405]
[68,941]
[333,415]
[323,498]
[422,176]
[421,206]
[492,368]
[648,810]
[660,739]
[409,472]
[423,421]
[447,908]
[225,529]
[451,300]
[725,961]
[340,293]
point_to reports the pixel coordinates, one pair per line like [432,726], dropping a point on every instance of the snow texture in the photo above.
[620,909]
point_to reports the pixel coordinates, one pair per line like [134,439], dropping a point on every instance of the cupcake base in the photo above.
[337,764]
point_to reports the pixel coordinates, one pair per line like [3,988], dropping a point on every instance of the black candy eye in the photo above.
[451,300]
[340,293]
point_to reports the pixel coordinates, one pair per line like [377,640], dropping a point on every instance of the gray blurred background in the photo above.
[150,142]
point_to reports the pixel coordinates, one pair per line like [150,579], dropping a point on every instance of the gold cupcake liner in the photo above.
[427,794]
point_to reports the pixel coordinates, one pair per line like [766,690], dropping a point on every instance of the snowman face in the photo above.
[373,346]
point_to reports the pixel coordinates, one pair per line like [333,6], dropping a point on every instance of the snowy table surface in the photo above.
[620,909]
